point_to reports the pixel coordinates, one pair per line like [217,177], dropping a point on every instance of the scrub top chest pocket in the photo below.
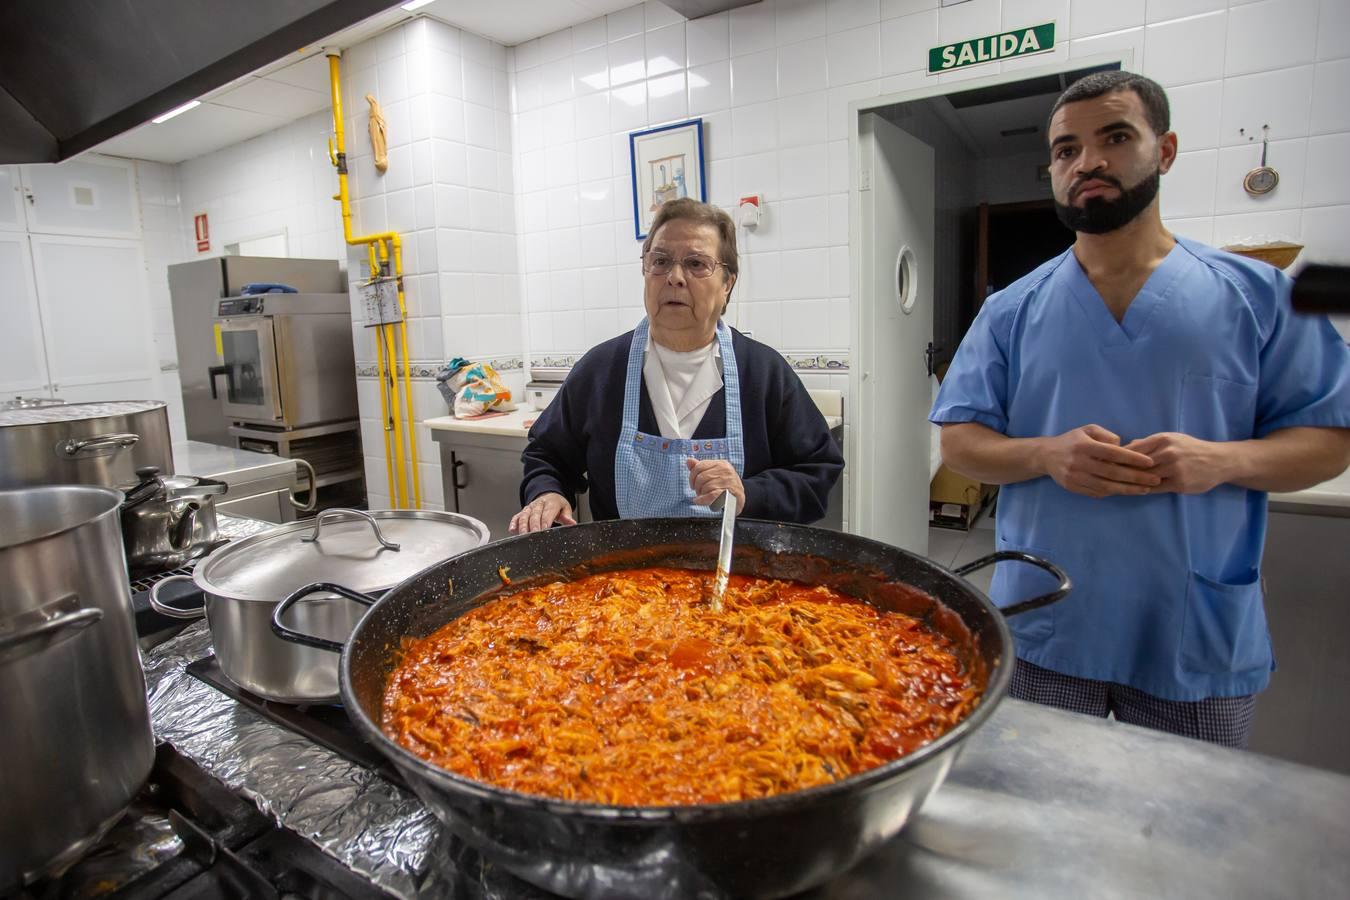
[1217,409]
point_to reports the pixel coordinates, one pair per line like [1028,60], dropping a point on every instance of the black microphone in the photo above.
[1322,289]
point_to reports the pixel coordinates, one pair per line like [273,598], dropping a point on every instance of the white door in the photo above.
[23,359]
[11,200]
[96,316]
[894,326]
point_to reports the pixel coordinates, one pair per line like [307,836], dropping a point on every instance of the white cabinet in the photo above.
[96,310]
[481,468]
[76,308]
[23,358]
[95,197]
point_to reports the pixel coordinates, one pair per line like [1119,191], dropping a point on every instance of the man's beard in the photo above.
[1100,215]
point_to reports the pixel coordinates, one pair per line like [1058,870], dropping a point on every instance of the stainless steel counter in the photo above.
[1041,804]
[259,483]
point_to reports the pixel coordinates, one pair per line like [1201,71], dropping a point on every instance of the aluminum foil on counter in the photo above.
[238,527]
[353,815]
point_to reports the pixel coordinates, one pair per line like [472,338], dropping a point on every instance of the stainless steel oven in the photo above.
[286,360]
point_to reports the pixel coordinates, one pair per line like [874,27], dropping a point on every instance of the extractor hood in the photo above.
[74,73]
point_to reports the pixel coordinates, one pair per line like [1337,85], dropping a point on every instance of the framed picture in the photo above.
[667,163]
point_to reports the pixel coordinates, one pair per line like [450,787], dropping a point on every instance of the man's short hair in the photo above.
[1151,94]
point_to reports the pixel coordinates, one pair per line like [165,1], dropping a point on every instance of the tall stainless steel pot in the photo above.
[769,847]
[75,739]
[83,443]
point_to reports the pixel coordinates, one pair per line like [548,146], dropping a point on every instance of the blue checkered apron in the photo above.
[650,475]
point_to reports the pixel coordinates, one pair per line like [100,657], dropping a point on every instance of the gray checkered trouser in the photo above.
[1219,720]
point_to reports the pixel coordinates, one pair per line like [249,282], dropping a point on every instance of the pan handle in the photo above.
[46,633]
[164,609]
[1058,594]
[309,640]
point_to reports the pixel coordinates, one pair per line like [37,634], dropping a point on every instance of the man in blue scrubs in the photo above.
[1137,397]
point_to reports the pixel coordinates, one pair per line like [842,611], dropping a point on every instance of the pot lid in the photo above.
[76,412]
[347,551]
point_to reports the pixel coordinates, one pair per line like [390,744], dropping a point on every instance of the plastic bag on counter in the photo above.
[472,389]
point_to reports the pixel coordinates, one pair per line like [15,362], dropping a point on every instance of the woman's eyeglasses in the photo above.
[695,265]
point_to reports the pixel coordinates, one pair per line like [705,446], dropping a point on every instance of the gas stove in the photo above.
[187,836]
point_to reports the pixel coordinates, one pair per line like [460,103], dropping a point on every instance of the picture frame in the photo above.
[666,164]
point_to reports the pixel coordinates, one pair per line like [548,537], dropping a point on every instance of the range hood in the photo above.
[74,73]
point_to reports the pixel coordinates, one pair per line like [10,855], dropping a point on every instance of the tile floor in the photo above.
[956,548]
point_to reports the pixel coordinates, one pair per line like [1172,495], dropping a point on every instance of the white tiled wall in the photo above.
[165,244]
[280,181]
[449,192]
[772,82]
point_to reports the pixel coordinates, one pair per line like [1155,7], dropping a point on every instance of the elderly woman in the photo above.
[662,420]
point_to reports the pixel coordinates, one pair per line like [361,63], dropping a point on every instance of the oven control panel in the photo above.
[240,306]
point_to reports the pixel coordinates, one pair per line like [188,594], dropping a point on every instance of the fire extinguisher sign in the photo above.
[202,232]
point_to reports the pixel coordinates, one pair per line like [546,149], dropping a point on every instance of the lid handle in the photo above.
[336,513]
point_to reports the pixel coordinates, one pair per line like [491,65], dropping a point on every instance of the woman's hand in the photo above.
[541,513]
[710,477]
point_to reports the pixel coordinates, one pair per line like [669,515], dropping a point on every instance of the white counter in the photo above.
[228,464]
[1332,494]
[513,424]
[518,422]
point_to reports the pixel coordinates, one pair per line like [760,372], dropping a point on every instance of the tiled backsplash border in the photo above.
[426,369]
[834,361]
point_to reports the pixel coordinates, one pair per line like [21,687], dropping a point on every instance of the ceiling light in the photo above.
[415,4]
[176,111]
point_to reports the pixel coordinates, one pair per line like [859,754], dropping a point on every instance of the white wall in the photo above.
[165,244]
[447,191]
[1011,179]
[279,181]
[758,78]
[773,80]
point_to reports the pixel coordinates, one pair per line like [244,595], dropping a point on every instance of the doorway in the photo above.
[269,245]
[950,202]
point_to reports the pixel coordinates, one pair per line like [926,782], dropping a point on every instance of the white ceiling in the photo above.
[986,123]
[297,85]
[512,22]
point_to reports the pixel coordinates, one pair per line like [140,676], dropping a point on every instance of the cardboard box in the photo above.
[954,501]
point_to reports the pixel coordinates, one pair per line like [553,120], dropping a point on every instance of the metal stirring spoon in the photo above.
[728,503]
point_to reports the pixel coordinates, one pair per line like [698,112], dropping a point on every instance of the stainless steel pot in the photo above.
[169,521]
[84,443]
[75,739]
[243,582]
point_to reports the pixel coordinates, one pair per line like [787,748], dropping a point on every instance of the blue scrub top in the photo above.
[1167,595]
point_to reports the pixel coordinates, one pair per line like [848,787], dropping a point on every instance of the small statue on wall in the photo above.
[379,135]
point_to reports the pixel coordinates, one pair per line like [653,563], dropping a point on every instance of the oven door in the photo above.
[249,358]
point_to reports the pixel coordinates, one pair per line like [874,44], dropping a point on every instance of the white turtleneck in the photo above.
[681,385]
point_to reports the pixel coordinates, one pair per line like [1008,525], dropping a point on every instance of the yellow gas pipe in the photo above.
[380,244]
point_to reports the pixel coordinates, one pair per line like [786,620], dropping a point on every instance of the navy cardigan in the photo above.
[791,460]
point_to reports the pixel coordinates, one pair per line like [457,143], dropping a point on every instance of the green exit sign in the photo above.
[1022,42]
